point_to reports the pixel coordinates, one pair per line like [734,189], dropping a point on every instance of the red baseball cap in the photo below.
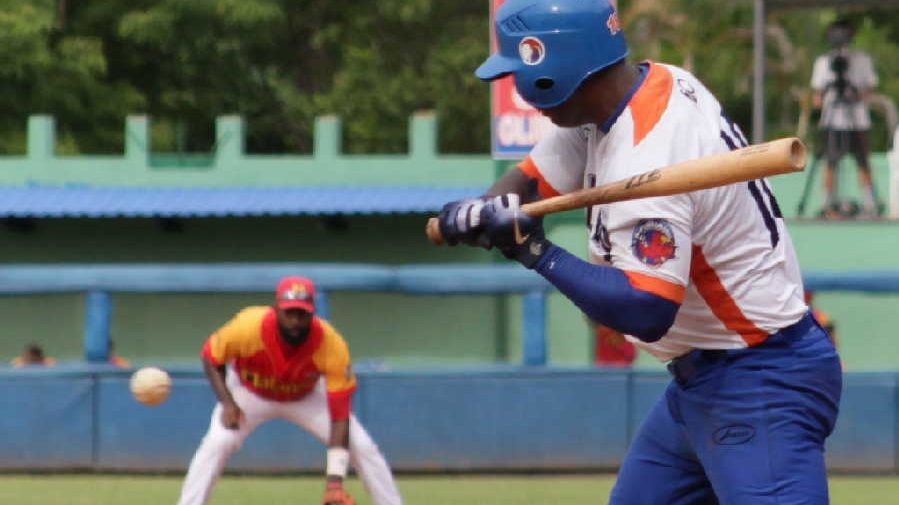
[295,293]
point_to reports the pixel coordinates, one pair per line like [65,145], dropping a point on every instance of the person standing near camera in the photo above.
[842,78]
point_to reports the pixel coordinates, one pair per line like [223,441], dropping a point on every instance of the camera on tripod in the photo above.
[839,35]
[839,65]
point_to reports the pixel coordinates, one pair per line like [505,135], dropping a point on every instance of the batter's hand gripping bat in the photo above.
[749,163]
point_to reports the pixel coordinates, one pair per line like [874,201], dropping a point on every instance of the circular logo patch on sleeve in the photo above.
[653,241]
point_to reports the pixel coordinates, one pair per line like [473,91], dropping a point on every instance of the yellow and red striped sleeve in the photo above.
[240,337]
[332,358]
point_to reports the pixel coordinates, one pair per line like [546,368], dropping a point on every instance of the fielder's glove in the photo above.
[517,235]
[460,221]
[336,495]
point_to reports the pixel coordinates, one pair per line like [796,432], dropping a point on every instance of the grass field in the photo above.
[436,490]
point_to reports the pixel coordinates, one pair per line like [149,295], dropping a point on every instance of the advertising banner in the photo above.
[515,125]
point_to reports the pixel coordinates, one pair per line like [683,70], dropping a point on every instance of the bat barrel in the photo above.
[798,153]
[771,158]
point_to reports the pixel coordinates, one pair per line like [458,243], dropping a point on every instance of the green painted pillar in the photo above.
[327,142]
[41,137]
[137,138]
[230,141]
[423,135]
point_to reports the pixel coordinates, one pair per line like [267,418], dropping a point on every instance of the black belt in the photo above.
[685,367]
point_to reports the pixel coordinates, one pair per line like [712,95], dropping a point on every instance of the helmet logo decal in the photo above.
[531,50]
[613,23]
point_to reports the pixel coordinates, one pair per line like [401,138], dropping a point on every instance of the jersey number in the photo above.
[599,233]
[735,139]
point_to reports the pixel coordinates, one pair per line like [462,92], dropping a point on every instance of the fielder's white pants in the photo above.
[310,413]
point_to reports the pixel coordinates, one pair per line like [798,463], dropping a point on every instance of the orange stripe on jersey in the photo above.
[651,100]
[659,287]
[529,168]
[719,300]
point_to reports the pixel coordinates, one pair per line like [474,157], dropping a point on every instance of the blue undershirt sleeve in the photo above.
[606,296]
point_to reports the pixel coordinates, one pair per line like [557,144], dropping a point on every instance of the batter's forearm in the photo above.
[513,181]
[216,376]
[606,296]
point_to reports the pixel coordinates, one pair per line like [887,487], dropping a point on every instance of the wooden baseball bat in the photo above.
[749,163]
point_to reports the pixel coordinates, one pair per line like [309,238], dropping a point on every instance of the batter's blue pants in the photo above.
[740,427]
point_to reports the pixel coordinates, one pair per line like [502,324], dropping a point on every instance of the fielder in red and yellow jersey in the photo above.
[284,361]
[269,366]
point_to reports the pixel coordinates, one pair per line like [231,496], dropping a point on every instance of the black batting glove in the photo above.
[460,221]
[517,235]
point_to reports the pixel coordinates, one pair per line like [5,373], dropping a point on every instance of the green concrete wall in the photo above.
[395,328]
[866,323]
[789,188]
[52,320]
[399,328]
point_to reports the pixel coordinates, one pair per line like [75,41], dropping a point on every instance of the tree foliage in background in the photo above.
[46,70]
[713,39]
[281,63]
[710,38]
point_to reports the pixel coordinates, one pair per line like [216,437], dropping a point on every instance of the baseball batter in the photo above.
[706,281]
[283,361]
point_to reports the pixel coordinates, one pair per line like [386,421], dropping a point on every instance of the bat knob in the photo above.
[432,230]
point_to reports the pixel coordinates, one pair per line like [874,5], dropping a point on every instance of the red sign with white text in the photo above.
[516,126]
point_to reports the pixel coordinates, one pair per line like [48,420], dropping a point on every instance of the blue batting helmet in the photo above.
[551,46]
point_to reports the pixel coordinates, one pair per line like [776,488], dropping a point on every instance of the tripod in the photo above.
[825,138]
[809,178]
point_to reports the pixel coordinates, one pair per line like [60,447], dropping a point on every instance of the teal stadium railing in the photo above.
[100,281]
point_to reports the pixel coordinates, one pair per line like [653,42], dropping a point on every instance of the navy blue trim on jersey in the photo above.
[734,143]
[606,295]
[774,206]
[766,214]
[730,143]
[643,69]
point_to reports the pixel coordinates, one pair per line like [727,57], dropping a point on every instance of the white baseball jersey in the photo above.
[723,253]
[851,114]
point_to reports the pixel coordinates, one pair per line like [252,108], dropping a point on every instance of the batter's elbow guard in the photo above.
[652,329]
[649,318]
[651,335]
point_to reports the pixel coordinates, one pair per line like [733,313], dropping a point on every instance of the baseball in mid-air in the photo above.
[151,385]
